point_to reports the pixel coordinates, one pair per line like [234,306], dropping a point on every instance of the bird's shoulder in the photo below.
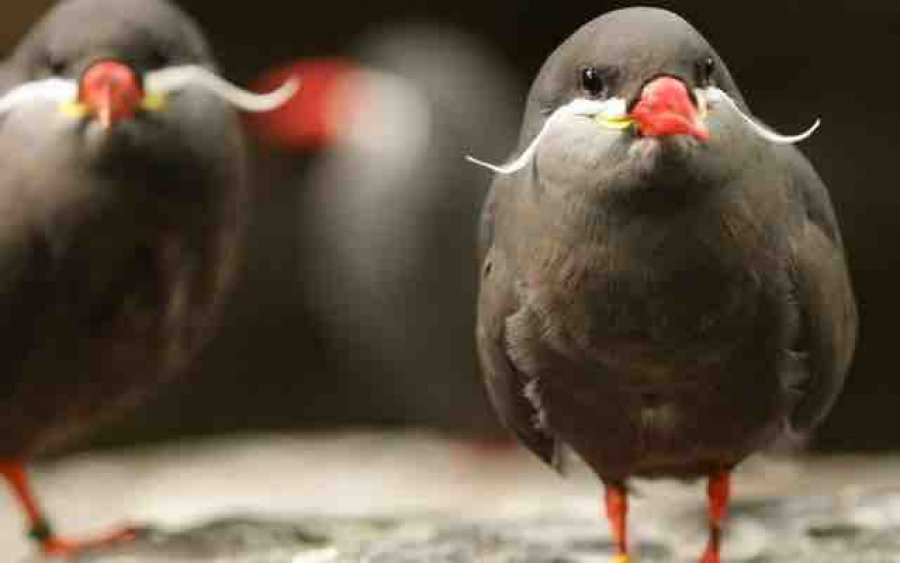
[824,339]
[809,193]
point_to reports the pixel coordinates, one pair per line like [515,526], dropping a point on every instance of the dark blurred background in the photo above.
[293,355]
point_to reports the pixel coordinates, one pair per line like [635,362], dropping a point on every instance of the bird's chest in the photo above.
[649,292]
[653,339]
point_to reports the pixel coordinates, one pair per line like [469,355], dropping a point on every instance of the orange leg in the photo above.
[616,501]
[718,491]
[40,529]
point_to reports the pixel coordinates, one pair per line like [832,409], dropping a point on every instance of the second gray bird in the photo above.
[122,202]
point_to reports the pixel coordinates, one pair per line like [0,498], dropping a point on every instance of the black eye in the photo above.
[158,59]
[593,82]
[707,69]
[57,67]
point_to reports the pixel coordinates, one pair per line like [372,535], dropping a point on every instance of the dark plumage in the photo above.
[662,305]
[116,243]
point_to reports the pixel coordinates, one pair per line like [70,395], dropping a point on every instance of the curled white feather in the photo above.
[158,82]
[713,94]
[614,110]
[611,109]
[172,79]
[57,90]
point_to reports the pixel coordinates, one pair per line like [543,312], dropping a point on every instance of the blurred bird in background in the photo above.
[381,222]
[123,195]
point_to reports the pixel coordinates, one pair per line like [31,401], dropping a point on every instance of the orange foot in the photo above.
[61,547]
[710,556]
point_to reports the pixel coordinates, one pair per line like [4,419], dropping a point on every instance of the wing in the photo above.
[826,333]
[506,386]
[25,274]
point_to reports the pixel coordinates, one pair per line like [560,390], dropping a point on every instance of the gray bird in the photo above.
[663,283]
[388,271]
[122,197]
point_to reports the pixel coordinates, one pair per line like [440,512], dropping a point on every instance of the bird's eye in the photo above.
[56,66]
[159,59]
[593,82]
[707,69]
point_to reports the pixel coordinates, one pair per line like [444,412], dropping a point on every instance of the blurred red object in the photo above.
[308,119]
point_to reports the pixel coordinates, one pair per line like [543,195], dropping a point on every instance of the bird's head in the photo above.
[635,92]
[124,68]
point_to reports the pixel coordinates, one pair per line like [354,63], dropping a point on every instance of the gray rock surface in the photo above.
[813,530]
[418,498]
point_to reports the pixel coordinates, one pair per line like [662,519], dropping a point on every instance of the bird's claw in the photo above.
[62,547]
[710,556]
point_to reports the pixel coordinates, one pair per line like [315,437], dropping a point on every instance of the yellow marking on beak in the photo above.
[617,123]
[154,102]
[702,106]
[75,110]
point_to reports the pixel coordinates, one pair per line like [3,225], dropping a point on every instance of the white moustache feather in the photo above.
[714,95]
[159,82]
[612,109]
[611,113]
[50,89]
[173,79]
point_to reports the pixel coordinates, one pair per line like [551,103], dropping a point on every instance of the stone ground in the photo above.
[409,498]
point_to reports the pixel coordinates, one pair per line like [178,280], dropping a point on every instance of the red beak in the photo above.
[666,108]
[110,90]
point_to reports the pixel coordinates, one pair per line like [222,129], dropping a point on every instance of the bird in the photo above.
[663,284]
[384,238]
[123,190]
